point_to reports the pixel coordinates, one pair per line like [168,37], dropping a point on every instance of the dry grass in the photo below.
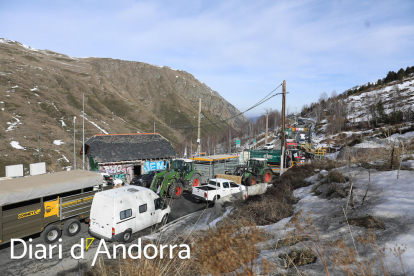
[368,221]
[298,257]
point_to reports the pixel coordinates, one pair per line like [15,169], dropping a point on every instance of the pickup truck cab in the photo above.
[216,189]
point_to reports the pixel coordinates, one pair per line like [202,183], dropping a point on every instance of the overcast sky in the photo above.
[241,49]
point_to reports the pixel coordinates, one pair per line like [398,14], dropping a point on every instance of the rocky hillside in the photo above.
[41,91]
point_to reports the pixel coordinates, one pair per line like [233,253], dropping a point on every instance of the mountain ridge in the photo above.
[42,91]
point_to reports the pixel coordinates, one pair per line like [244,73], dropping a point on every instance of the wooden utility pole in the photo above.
[154,123]
[282,139]
[267,122]
[199,125]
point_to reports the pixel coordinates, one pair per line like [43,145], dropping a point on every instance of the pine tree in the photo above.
[379,82]
[401,74]
[408,71]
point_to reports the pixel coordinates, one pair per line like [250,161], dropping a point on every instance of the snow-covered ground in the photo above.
[389,199]
[58,142]
[16,145]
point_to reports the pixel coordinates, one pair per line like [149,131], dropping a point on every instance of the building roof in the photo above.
[107,148]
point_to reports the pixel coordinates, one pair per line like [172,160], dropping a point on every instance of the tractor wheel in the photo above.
[176,190]
[194,181]
[267,176]
[251,180]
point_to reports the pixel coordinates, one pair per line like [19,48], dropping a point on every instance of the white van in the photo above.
[118,213]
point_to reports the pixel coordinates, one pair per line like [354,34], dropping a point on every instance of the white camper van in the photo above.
[117,213]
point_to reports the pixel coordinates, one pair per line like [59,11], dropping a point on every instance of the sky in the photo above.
[241,49]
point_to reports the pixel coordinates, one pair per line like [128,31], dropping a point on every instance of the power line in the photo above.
[265,99]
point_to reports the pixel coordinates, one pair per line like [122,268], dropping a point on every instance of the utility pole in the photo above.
[296,114]
[38,140]
[267,122]
[74,144]
[282,142]
[199,124]
[154,123]
[83,134]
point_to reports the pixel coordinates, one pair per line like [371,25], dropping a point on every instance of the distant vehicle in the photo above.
[269,146]
[144,180]
[118,213]
[216,189]
[302,141]
[302,136]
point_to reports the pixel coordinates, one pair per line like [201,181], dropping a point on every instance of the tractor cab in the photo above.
[257,163]
[182,165]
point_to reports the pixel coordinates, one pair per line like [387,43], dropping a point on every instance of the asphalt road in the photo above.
[25,266]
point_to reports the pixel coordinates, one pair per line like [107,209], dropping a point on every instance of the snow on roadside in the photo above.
[16,145]
[63,123]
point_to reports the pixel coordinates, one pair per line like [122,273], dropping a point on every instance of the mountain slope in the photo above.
[41,91]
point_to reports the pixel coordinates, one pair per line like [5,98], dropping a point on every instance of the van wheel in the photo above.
[51,234]
[71,227]
[126,236]
[164,219]
[176,190]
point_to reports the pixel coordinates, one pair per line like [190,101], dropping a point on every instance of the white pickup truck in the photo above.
[216,189]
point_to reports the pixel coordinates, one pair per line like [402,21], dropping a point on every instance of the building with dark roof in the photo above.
[126,155]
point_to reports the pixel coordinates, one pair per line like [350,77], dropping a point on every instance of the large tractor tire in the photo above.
[176,190]
[251,180]
[267,176]
[194,181]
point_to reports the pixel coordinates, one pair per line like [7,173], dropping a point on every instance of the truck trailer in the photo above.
[48,204]
[210,166]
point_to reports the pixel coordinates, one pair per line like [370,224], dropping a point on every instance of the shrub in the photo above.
[336,177]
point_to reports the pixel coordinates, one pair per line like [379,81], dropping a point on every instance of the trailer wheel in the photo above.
[51,234]
[267,176]
[126,236]
[251,180]
[195,180]
[71,227]
[176,190]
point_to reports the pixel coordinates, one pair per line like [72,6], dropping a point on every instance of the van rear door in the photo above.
[101,215]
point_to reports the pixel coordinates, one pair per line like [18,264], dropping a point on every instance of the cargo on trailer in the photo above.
[210,166]
[46,204]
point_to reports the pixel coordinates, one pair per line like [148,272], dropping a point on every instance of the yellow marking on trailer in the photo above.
[88,244]
[208,159]
[51,208]
[28,214]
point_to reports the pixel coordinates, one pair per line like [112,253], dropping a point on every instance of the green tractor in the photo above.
[179,178]
[256,171]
